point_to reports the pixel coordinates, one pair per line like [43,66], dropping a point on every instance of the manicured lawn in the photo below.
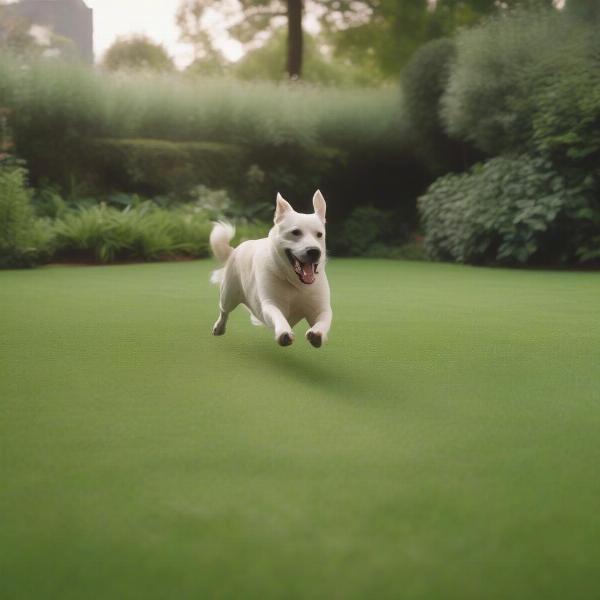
[445,444]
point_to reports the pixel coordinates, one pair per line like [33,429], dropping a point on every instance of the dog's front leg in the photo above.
[317,334]
[274,318]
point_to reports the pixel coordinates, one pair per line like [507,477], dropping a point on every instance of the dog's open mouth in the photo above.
[306,271]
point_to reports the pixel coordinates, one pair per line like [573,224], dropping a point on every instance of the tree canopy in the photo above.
[373,35]
[251,22]
[137,53]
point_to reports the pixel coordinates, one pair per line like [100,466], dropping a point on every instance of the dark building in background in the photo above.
[71,19]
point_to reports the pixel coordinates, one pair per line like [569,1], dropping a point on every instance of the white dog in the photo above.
[281,278]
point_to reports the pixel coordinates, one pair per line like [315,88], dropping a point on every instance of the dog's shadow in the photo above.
[344,382]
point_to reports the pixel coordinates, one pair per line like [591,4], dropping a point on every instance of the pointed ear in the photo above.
[281,208]
[319,205]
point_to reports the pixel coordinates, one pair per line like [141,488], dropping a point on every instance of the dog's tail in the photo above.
[220,236]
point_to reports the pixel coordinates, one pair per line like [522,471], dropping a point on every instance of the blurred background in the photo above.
[457,130]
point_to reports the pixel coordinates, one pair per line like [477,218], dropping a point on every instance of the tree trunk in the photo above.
[295,41]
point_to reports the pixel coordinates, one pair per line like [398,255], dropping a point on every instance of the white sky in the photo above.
[155,18]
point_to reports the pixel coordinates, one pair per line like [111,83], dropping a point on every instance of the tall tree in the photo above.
[251,21]
[375,34]
[295,39]
[245,20]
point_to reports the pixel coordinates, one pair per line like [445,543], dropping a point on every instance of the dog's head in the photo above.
[299,238]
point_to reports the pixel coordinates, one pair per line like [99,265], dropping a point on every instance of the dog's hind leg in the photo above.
[221,323]
[230,298]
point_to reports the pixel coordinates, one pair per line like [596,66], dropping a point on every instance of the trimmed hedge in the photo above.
[160,167]
[93,133]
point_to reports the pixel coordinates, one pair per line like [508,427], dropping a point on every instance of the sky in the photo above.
[155,18]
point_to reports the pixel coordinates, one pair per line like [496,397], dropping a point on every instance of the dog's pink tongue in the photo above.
[308,272]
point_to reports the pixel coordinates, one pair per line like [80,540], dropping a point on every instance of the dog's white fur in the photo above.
[259,274]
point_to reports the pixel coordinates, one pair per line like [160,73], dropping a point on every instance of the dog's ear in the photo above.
[319,205]
[281,208]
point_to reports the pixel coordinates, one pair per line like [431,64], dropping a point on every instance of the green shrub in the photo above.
[24,241]
[367,230]
[48,203]
[567,130]
[164,168]
[500,67]
[408,251]
[57,100]
[424,81]
[510,211]
[146,232]
[158,167]
[566,122]
[106,234]
[159,134]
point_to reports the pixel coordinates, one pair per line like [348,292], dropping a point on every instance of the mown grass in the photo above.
[443,445]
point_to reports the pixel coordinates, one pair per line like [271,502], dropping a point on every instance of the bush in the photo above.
[159,167]
[500,67]
[566,122]
[368,230]
[51,98]
[146,232]
[157,134]
[23,240]
[424,81]
[510,211]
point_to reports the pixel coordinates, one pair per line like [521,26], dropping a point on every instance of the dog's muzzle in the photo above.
[306,265]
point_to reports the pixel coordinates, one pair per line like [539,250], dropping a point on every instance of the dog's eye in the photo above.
[319,234]
[296,232]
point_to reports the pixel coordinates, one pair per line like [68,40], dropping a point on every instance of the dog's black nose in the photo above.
[313,254]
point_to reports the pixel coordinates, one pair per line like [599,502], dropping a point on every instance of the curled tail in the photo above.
[220,236]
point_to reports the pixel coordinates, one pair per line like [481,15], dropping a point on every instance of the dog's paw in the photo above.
[315,338]
[286,338]
[218,328]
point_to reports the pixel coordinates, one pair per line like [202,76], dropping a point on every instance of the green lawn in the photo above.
[444,444]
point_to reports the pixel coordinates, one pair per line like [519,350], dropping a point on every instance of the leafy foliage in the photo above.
[146,232]
[566,121]
[424,81]
[394,30]
[137,53]
[251,22]
[266,63]
[368,230]
[166,134]
[525,84]
[509,211]
[23,241]
[499,68]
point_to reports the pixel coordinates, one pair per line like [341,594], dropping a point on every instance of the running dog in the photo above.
[281,278]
